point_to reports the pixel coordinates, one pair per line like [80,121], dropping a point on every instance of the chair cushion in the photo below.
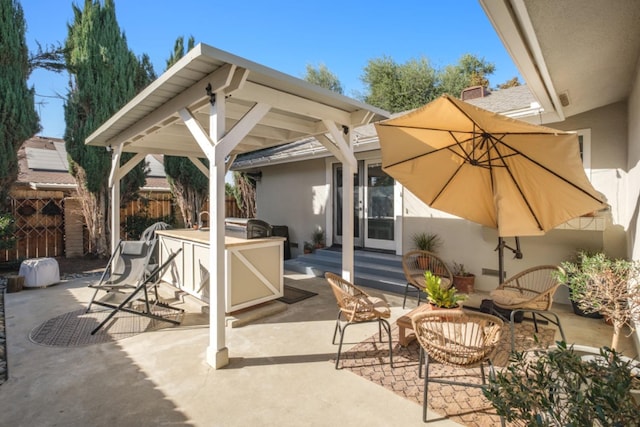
[507,297]
[380,307]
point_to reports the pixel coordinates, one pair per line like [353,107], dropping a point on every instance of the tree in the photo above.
[245,193]
[469,71]
[51,58]
[18,118]
[399,87]
[321,76]
[607,286]
[509,83]
[189,185]
[104,75]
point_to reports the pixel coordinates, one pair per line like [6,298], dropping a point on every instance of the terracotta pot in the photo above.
[423,262]
[465,284]
[435,307]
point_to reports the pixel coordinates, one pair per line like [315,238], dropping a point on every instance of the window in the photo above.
[584,138]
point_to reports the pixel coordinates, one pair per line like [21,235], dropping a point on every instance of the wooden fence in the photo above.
[50,224]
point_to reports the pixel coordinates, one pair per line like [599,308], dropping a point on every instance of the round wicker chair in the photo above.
[531,291]
[457,338]
[356,306]
[415,264]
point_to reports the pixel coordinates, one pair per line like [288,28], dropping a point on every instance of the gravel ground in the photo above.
[70,268]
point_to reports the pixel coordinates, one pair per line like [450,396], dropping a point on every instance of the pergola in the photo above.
[217,105]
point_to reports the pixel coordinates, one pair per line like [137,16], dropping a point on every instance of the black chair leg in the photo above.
[512,326]
[426,387]
[335,332]
[387,328]
[406,289]
[342,331]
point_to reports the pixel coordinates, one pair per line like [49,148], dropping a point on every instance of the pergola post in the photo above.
[217,352]
[114,184]
[347,214]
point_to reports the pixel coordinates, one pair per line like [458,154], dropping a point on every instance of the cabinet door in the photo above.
[173,273]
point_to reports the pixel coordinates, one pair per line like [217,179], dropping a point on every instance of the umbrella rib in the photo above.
[552,172]
[444,187]
[494,142]
[417,157]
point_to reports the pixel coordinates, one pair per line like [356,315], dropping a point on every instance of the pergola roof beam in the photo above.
[219,79]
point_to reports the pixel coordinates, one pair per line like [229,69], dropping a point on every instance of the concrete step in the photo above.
[372,269]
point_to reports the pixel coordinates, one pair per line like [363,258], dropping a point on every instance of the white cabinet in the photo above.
[253,268]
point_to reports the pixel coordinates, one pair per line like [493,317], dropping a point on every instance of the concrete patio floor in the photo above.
[279,373]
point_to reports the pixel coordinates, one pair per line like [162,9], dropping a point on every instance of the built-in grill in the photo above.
[253,228]
[250,228]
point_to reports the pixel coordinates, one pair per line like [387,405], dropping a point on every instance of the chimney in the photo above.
[474,92]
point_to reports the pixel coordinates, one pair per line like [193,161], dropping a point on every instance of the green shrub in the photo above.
[7,230]
[557,387]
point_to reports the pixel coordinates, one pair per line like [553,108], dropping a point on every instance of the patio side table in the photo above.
[404,324]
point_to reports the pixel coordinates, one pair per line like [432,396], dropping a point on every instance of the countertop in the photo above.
[202,236]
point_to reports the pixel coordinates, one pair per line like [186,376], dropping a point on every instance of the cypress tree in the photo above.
[189,186]
[104,75]
[18,118]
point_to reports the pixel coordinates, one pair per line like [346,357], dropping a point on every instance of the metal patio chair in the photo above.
[415,264]
[456,338]
[128,279]
[356,306]
[530,291]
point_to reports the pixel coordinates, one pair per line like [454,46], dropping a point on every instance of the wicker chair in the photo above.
[456,338]
[529,291]
[358,307]
[415,263]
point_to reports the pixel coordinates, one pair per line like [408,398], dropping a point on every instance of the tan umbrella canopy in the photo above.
[518,177]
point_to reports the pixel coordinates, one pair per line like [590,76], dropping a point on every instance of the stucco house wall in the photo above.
[609,172]
[632,203]
[632,187]
[294,194]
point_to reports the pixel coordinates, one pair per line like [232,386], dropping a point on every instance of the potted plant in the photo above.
[317,237]
[602,285]
[462,279]
[438,296]
[307,247]
[560,386]
[429,242]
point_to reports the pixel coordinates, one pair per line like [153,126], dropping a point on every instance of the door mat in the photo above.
[73,329]
[293,295]
[464,405]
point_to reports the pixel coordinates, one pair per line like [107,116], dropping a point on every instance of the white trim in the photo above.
[586,150]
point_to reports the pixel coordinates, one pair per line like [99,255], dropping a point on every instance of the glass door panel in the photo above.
[379,213]
[357,206]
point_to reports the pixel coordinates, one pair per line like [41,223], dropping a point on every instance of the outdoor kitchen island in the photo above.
[253,267]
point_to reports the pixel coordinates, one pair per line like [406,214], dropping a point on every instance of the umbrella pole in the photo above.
[517,253]
[500,260]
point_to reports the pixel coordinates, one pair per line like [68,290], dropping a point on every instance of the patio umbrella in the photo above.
[520,178]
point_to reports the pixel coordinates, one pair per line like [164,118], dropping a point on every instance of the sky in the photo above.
[284,35]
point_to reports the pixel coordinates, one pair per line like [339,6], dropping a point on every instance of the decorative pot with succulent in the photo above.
[607,286]
[438,296]
[462,279]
